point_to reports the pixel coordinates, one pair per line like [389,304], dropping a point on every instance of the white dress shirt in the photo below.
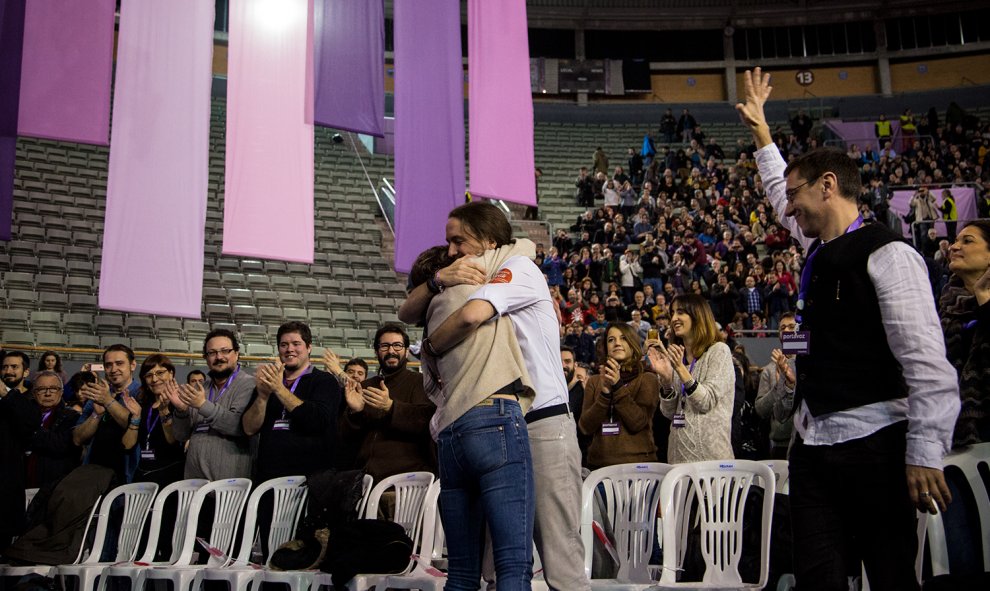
[914,335]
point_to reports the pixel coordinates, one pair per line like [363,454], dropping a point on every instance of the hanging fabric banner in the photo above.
[429,124]
[67,63]
[350,65]
[268,205]
[500,102]
[159,156]
[11,42]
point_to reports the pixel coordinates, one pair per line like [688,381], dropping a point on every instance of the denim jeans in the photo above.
[486,476]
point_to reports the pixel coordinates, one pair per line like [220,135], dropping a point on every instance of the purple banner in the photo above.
[159,157]
[68,58]
[349,39]
[863,133]
[429,124]
[11,44]
[501,102]
[965,197]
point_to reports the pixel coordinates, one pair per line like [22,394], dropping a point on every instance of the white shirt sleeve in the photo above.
[517,284]
[771,166]
[914,335]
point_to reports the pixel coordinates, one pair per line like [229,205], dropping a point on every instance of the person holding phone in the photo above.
[619,403]
[698,383]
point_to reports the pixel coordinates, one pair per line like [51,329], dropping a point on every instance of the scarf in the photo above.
[967,346]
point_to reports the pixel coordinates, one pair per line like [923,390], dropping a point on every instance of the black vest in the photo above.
[850,363]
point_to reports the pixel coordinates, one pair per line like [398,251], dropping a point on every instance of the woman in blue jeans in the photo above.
[481,391]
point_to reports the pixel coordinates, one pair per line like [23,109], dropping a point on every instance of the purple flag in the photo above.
[159,157]
[349,36]
[501,112]
[268,206]
[68,57]
[11,43]
[429,124]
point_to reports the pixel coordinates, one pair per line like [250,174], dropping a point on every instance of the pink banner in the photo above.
[501,102]
[965,206]
[159,156]
[268,206]
[429,124]
[68,58]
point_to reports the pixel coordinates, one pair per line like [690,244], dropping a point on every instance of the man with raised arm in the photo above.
[875,399]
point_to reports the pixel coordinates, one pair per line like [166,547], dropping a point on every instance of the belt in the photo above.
[546,412]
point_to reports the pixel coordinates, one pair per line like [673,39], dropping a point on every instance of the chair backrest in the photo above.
[289,496]
[366,483]
[974,463]
[184,491]
[137,501]
[229,498]
[425,545]
[781,474]
[29,494]
[721,489]
[85,536]
[631,493]
[410,490]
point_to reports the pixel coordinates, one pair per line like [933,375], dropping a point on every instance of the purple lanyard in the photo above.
[806,272]
[44,417]
[683,388]
[295,382]
[225,386]
[152,424]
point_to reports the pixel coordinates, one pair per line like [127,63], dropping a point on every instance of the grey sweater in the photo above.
[707,412]
[223,450]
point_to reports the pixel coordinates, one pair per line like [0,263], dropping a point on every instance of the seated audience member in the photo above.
[15,370]
[699,383]
[210,419]
[775,396]
[109,413]
[293,410]
[196,377]
[965,317]
[163,458]
[18,419]
[387,421]
[52,454]
[619,403]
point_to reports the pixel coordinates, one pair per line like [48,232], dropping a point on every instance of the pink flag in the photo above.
[501,104]
[268,206]
[159,156]
[68,57]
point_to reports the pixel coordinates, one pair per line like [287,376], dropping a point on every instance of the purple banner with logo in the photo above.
[11,44]
[349,40]
[965,198]
[68,59]
[501,102]
[159,158]
[429,124]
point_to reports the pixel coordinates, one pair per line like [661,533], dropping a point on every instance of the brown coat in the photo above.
[634,405]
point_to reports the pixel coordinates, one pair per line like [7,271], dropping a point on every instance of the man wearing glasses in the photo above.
[208,416]
[387,419]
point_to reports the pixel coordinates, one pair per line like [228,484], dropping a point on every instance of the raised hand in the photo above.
[378,398]
[192,395]
[659,362]
[353,396]
[758,89]
[981,289]
[783,367]
[610,372]
[174,397]
[268,377]
[131,405]
[332,362]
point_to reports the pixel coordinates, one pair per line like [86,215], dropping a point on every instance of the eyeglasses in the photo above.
[160,374]
[792,192]
[217,352]
[47,390]
[384,347]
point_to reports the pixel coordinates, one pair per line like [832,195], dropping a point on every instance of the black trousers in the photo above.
[850,505]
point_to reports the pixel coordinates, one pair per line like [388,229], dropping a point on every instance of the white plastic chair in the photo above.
[289,498]
[137,502]
[410,494]
[422,574]
[721,489]
[184,490]
[366,484]
[968,461]
[632,493]
[781,475]
[229,497]
[46,570]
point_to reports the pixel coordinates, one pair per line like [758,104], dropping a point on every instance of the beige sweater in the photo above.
[488,359]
